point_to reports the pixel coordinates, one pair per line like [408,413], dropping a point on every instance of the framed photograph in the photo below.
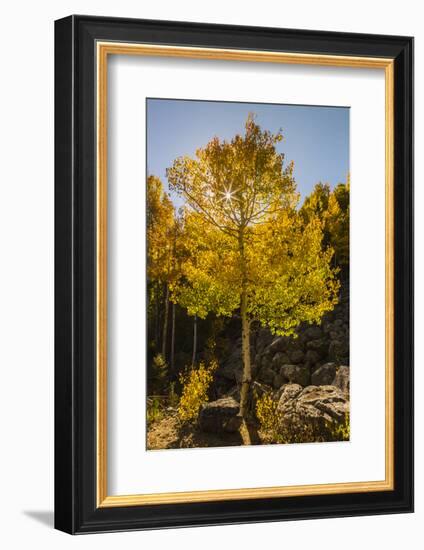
[234,274]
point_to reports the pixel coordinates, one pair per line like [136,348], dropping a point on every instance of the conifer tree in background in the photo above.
[332,209]
[161,268]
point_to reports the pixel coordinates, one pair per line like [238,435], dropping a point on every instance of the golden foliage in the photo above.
[160,231]
[266,413]
[243,235]
[237,183]
[195,383]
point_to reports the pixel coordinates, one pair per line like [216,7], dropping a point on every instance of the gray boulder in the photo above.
[341,380]
[336,335]
[264,338]
[266,375]
[319,408]
[326,327]
[324,375]
[296,374]
[221,415]
[266,360]
[278,381]
[280,359]
[312,357]
[289,393]
[337,350]
[296,356]
[233,392]
[281,343]
[232,368]
[320,346]
[313,333]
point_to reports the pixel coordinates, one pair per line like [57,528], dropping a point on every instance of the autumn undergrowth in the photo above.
[195,383]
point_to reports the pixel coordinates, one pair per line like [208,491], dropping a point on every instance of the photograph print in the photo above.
[247,274]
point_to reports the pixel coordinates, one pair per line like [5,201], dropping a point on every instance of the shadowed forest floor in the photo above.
[168,433]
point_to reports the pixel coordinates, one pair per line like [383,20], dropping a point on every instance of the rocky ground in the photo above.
[169,433]
[307,377]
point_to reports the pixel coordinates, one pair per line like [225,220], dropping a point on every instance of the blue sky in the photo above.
[315,138]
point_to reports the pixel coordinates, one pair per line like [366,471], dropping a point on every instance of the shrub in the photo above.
[154,410]
[195,383]
[159,372]
[266,413]
[341,431]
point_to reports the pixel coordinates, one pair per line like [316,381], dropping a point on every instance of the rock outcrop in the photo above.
[342,378]
[295,374]
[317,355]
[316,408]
[317,350]
[324,375]
[220,416]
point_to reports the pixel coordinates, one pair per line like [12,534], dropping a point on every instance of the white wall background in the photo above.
[26,274]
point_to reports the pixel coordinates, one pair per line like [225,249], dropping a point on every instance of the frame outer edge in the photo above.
[407,235]
[71,515]
[64,446]
[412,267]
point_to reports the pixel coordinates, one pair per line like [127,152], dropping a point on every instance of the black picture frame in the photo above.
[76,510]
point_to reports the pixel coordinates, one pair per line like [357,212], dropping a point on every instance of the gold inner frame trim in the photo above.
[104,49]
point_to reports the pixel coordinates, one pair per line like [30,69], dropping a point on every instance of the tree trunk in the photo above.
[157,300]
[245,334]
[247,371]
[165,323]
[173,338]
[193,359]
